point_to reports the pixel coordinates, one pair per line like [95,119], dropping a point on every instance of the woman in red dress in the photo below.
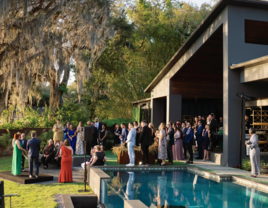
[66,153]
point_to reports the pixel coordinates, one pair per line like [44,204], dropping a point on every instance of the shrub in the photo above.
[5,140]
[112,122]
[246,165]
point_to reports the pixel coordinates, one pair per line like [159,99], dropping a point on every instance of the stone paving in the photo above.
[227,170]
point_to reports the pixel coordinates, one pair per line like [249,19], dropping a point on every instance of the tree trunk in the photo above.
[55,95]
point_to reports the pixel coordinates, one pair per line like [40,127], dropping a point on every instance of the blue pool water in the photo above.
[177,189]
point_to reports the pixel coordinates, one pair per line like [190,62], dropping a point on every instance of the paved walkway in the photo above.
[211,166]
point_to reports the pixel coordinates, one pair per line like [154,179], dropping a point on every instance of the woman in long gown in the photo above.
[178,145]
[72,137]
[79,149]
[58,132]
[66,129]
[66,153]
[162,147]
[17,155]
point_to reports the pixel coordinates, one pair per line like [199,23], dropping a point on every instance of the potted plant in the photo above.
[264,167]
[122,154]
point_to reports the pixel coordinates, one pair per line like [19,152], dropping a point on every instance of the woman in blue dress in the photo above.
[72,137]
[66,129]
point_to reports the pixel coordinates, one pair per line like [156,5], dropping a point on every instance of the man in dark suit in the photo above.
[33,148]
[145,136]
[184,130]
[213,123]
[98,125]
[48,154]
[189,141]
[124,133]
[202,121]
[220,124]
[24,145]
[94,136]
[170,135]
[199,139]
[247,122]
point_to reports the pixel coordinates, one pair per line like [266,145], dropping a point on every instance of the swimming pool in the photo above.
[177,189]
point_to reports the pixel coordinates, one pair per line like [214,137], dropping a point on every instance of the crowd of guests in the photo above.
[174,140]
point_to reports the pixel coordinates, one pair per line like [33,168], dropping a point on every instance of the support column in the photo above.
[174,104]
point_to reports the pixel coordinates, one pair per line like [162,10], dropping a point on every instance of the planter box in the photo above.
[138,158]
[123,158]
[264,170]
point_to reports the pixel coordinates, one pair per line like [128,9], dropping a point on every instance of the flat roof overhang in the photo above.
[253,70]
[201,28]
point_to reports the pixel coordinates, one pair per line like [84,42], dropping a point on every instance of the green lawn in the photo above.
[35,195]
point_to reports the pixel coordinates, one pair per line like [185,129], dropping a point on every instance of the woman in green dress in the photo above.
[17,155]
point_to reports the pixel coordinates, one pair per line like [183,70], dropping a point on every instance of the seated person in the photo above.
[48,154]
[99,157]
[57,158]
[89,160]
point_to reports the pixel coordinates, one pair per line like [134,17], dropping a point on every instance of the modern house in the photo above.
[227,54]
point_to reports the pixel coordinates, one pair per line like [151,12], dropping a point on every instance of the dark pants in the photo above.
[22,162]
[145,151]
[35,159]
[190,150]
[46,160]
[185,149]
[170,153]
[200,149]
[58,161]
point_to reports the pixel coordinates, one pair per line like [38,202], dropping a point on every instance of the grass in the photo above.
[35,195]
[39,195]
[112,160]
[6,163]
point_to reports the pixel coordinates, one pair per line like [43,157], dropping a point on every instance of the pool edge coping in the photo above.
[243,181]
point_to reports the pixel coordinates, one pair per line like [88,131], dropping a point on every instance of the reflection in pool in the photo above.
[177,189]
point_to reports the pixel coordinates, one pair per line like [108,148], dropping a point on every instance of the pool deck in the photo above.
[218,169]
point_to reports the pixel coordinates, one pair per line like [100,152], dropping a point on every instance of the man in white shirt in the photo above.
[131,141]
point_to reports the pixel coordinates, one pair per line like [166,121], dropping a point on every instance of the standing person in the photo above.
[178,145]
[24,145]
[48,154]
[79,148]
[103,136]
[178,124]
[57,158]
[206,137]
[117,133]
[195,122]
[66,129]
[199,139]
[98,125]
[254,153]
[220,124]
[247,122]
[144,142]
[124,133]
[33,148]
[66,153]
[184,130]
[58,132]
[131,141]
[202,121]
[212,123]
[151,141]
[138,131]
[162,146]
[94,136]
[72,137]
[17,155]
[170,143]
[189,141]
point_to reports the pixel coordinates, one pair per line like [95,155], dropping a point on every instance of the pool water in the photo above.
[177,189]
